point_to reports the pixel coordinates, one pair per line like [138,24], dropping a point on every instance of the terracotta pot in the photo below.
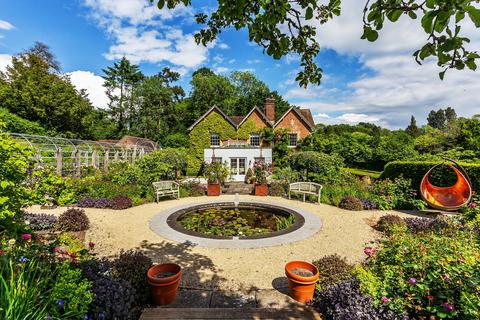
[301,288]
[261,190]
[213,189]
[164,290]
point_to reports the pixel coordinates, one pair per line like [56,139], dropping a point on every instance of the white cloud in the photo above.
[223,46]
[5,25]
[93,84]
[395,86]
[141,33]
[5,60]
[254,61]
[221,70]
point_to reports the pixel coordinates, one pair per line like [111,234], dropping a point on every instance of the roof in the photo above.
[131,140]
[307,114]
[214,108]
[237,119]
[309,123]
[264,117]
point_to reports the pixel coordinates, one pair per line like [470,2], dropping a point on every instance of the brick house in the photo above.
[236,141]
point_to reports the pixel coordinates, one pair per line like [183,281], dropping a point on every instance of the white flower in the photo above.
[11,242]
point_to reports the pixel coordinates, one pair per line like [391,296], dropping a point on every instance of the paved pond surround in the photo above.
[161,225]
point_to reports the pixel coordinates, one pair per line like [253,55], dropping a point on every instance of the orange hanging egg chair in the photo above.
[447,198]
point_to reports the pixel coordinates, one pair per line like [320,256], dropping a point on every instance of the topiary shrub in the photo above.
[277,189]
[351,203]
[120,202]
[73,220]
[344,301]
[133,266]
[332,269]
[389,223]
[40,221]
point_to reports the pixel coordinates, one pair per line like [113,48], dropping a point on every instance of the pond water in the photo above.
[241,221]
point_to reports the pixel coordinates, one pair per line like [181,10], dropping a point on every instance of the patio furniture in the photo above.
[305,188]
[166,188]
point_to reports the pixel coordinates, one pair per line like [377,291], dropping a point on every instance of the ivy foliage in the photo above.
[214,123]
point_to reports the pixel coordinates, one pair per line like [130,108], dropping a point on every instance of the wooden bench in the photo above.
[305,188]
[166,188]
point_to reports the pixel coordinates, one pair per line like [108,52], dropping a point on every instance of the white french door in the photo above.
[238,168]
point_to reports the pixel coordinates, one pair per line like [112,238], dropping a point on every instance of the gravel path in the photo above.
[343,232]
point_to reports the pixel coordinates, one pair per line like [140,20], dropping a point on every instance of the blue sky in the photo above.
[377,82]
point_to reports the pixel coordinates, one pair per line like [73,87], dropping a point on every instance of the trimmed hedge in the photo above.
[442,176]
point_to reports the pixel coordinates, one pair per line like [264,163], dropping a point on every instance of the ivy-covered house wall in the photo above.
[200,137]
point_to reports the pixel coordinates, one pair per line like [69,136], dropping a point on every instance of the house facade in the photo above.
[236,141]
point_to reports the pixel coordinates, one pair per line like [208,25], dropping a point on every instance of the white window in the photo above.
[292,139]
[255,139]
[215,140]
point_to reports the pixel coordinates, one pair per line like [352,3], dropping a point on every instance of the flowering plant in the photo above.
[260,171]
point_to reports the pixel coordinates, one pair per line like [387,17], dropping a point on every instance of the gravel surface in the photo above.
[343,232]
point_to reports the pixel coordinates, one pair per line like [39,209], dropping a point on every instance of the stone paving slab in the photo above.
[271,298]
[222,299]
[191,299]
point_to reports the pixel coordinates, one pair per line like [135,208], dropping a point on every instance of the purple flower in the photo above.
[369,251]
[385,300]
[22,259]
[60,303]
[446,277]
[448,306]
[472,205]
[412,280]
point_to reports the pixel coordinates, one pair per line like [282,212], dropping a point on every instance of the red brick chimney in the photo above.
[270,109]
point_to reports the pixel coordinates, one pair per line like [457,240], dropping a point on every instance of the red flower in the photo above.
[73,255]
[91,245]
[26,236]
[2,251]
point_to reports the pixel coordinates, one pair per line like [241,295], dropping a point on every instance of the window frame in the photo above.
[213,137]
[290,135]
[255,136]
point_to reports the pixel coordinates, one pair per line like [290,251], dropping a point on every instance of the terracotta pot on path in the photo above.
[261,189]
[213,189]
[302,278]
[164,280]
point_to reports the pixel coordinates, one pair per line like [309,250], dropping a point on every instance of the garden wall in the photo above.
[442,176]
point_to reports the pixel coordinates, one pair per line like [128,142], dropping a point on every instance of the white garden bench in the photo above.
[166,188]
[305,188]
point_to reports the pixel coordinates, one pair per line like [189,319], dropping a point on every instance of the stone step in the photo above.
[298,313]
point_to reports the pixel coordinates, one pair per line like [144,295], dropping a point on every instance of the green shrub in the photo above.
[396,194]
[332,269]
[45,184]
[71,293]
[191,189]
[429,274]
[73,220]
[390,223]
[326,169]
[351,203]
[278,189]
[442,176]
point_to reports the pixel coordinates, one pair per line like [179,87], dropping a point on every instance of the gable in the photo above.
[212,110]
[292,121]
[257,118]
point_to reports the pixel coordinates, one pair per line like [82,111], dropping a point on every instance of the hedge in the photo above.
[442,176]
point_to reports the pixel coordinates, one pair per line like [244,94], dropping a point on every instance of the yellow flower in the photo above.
[11,242]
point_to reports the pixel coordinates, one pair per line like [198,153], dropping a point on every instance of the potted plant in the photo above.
[164,280]
[249,176]
[261,187]
[216,174]
[302,279]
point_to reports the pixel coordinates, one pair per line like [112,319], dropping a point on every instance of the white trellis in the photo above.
[68,156]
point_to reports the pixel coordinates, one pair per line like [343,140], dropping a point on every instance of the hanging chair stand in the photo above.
[447,198]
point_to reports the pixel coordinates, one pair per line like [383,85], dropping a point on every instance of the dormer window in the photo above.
[215,140]
[255,139]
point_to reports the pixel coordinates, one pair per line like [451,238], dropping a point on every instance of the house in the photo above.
[235,140]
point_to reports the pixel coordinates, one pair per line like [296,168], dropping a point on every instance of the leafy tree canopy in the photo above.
[290,26]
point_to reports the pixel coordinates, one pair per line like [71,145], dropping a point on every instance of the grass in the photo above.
[362,172]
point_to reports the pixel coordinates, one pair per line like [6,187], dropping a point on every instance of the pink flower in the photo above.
[412,280]
[446,277]
[430,298]
[448,306]
[385,300]
[26,236]
[73,255]
[472,205]
[91,245]
[369,251]
[57,250]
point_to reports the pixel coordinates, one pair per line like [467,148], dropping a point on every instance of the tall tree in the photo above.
[120,81]
[450,115]
[437,119]
[284,27]
[33,88]
[412,129]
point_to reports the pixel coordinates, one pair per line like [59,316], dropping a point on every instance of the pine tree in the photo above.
[412,128]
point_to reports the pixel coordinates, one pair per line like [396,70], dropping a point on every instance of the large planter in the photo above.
[261,189]
[301,287]
[213,189]
[164,280]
